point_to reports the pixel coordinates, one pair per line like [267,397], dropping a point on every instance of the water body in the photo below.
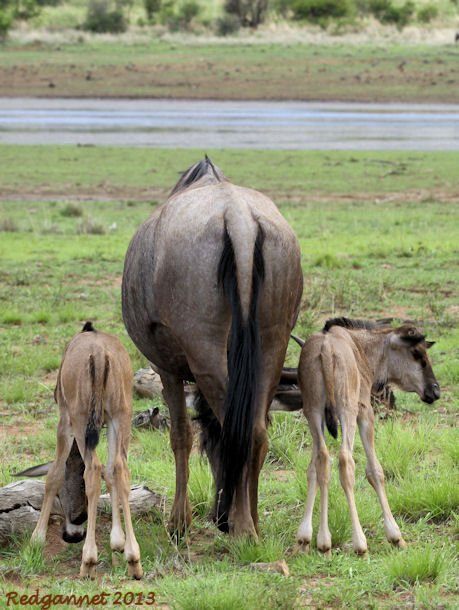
[230,124]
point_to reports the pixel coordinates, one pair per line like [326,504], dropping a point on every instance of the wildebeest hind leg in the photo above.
[210,445]
[181,441]
[259,451]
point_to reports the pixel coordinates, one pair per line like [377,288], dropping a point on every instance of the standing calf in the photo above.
[338,368]
[94,386]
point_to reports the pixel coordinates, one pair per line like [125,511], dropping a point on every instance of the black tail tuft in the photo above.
[88,328]
[331,421]
[243,365]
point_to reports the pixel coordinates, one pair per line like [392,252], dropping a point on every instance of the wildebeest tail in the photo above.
[331,420]
[98,373]
[244,355]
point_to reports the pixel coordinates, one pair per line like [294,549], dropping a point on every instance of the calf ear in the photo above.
[34,471]
[428,344]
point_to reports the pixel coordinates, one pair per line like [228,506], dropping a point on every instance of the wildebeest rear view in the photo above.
[211,290]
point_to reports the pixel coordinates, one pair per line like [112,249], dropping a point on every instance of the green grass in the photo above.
[382,250]
[236,69]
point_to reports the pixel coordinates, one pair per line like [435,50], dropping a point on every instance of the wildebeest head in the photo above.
[409,365]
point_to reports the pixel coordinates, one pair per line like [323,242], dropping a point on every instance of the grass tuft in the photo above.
[8,225]
[416,564]
[72,210]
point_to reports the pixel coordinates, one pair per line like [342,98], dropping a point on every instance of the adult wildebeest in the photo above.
[211,290]
[338,369]
[94,386]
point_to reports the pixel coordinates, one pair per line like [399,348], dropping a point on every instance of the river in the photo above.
[230,124]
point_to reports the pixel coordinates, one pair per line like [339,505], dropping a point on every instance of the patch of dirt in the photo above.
[54,542]
[78,194]
[400,75]
[17,429]
[100,193]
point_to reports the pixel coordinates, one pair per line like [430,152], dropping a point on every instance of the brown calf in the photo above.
[94,386]
[337,371]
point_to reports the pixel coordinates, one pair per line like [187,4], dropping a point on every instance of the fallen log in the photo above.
[20,504]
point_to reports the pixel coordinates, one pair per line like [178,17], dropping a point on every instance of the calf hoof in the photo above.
[38,539]
[326,552]
[88,570]
[303,546]
[135,570]
[400,543]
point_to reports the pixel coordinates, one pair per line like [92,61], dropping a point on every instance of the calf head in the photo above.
[72,494]
[73,497]
[409,365]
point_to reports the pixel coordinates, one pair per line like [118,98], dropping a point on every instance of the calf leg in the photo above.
[181,441]
[304,533]
[131,547]
[117,537]
[347,478]
[375,476]
[55,477]
[92,479]
[318,476]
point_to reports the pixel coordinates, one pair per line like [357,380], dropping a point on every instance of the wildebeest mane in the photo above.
[196,172]
[355,324]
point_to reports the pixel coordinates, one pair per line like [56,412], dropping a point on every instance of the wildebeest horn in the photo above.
[34,471]
[298,340]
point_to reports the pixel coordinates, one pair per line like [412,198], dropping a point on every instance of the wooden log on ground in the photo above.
[20,504]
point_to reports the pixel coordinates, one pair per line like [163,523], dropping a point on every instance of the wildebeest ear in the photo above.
[34,471]
[428,344]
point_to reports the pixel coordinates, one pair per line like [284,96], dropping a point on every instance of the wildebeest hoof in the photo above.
[135,570]
[303,546]
[177,534]
[88,570]
[400,543]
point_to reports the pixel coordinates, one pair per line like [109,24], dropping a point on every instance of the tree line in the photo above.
[113,15]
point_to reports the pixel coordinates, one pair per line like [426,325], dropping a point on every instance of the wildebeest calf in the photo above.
[338,369]
[94,386]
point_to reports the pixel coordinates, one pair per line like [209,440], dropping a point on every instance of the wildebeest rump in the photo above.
[211,290]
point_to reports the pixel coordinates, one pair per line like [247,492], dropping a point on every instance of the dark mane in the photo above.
[88,328]
[350,324]
[196,172]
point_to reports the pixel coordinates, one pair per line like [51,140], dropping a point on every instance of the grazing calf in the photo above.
[94,386]
[337,371]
